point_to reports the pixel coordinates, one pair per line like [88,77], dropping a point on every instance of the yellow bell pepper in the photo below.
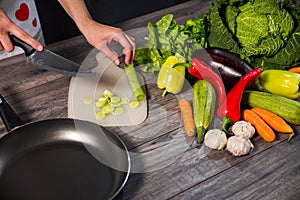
[281,82]
[170,78]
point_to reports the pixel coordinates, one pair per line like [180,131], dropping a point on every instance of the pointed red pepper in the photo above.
[229,110]
[202,70]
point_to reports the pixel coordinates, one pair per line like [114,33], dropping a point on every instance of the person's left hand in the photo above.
[100,35]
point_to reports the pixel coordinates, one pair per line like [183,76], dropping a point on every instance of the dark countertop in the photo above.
[271,171]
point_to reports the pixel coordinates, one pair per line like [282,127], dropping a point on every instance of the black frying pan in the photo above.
[60,159]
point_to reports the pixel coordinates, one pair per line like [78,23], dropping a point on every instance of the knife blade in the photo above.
[49,60]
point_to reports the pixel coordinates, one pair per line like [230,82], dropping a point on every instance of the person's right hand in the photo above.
[8,27]
[100,35]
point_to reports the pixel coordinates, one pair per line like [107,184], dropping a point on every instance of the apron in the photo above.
[24,14]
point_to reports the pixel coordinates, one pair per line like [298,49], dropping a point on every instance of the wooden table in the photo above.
[271,171]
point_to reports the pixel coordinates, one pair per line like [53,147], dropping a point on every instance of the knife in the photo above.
[48,60]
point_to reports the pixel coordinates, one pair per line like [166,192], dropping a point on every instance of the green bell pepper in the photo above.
[281,82]
[171,79]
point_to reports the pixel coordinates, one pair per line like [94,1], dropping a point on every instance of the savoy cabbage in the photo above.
[265,33]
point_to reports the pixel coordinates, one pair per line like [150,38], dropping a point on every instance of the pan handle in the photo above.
[8,115]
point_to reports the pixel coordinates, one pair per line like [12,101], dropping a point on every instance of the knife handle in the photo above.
[17,42]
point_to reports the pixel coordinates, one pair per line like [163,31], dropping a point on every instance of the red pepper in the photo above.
[202,70]
[230,109]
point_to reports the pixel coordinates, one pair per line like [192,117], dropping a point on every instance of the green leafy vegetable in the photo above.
[263,32]
[167,38]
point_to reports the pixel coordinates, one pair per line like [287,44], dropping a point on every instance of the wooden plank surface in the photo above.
[164,165]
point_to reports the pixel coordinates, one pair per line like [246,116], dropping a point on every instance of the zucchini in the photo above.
[286,108]
[204,98]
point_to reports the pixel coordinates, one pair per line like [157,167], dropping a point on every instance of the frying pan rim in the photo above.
[117,138]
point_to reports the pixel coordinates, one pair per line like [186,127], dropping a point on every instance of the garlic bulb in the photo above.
[243,128]
[215,139]
[238,145]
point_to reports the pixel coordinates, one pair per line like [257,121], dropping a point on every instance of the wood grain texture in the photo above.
[164,165]
[271,174]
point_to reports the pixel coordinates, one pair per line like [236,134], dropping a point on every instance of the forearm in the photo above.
[77,10]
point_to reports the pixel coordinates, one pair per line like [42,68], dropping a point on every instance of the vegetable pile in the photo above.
[243,60]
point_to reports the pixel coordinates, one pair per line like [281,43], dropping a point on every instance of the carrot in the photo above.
[187,115]
[273,120]
[295,69]
[262,128]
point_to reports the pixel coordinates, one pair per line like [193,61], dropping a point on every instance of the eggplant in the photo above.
[230,67]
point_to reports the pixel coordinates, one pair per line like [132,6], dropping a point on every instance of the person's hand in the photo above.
[7,27]
[97,34]
[100,35]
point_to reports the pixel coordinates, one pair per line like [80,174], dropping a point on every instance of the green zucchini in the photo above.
[204,98]
[286,108]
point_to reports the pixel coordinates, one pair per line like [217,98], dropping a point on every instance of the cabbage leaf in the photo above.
[263,32]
